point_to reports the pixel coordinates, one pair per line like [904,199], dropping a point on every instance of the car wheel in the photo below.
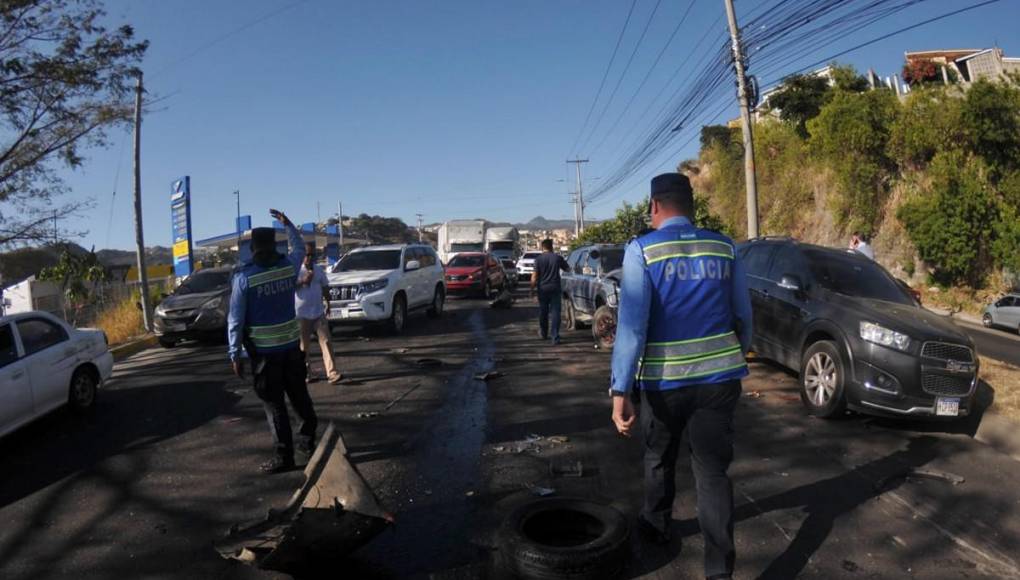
[986,320]
[603,327]
[399,315]
[167,342]
[438,299]
[83,390]
[564,538]
[822,379]
[487,289]
[569,318]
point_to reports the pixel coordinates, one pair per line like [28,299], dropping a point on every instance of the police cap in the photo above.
[263,237]
[675,185]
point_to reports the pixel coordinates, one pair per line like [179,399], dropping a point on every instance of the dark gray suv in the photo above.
[857,337]
[591,289]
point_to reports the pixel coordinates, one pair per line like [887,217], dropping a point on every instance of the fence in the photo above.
[105,295]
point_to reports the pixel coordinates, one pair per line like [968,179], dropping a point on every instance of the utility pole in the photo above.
[237,222]
[419,226]
[580,196]
[340,224]
[745,122]
[143,275]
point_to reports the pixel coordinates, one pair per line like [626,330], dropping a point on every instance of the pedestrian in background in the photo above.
[546,279]
[263,321]
[684,329]
[860,244]
[312,285]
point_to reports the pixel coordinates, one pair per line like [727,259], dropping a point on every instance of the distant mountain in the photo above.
[22,263]
[154,255]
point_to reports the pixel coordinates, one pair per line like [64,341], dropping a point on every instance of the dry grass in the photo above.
[1005,380]
[121,322]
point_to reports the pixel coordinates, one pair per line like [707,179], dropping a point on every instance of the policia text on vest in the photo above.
[263,322]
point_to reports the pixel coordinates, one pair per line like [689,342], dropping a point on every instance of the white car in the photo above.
[46,364]
[526,264]
[384,283]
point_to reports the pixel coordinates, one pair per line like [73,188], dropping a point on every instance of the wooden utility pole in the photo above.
[745,122]
[580,196]
[143,275]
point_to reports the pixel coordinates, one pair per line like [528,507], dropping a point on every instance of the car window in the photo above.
[593,264]
[853,275]
[1007,302]
[530,255]
[38,334]
[467,261]
[369,260]
[788,260]
[612,259]
[756,259]
[573,258]
[8,351]
[204,281]
[582,259]
[409,254]
[428,257]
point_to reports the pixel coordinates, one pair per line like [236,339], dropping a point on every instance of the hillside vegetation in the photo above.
[933,178]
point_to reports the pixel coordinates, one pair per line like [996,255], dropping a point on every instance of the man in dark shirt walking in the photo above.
[546,278]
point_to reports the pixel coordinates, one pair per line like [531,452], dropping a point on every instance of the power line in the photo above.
[605,75]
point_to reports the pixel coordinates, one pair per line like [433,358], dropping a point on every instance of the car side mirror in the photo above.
[594,254]
[791,282]
[412,265]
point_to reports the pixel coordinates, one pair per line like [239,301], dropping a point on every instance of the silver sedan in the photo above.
[1005,312]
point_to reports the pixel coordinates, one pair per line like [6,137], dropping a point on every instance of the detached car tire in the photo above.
[823,380]
[603,327]
[564,539]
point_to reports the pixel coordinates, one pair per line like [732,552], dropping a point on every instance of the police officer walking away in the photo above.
[262,319]
[546,277]
[684,328]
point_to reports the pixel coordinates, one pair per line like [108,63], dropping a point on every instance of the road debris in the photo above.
[428,363]
[399,350]
[754,394]
[332,514]
[470,493]
[559,439]
[232,420]
[573,469]
[487,376]
[541,491]
[398,399]
[908,474]
[367,414]
[502,300]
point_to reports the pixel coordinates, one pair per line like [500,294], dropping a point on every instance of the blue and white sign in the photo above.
[180,224]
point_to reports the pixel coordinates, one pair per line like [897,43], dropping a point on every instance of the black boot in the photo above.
[277,465]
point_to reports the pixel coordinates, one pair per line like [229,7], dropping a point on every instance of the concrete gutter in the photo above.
[955,315]
[999,433]
[122,351]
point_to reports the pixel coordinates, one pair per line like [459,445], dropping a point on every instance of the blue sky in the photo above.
[454,109]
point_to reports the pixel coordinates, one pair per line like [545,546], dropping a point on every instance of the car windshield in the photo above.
[467,262]
[854,276]
[371,260]
[202,281]
[611,259]
[530,255]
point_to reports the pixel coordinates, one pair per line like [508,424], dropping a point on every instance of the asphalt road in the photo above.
[996,343]
[142,488]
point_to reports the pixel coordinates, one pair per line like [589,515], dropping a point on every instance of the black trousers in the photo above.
[706,412]
[549,306]
[278,375]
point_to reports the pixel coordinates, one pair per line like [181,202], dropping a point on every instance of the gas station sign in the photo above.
[180,223]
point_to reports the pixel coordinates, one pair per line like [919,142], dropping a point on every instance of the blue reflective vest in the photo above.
[691,338]
[270,324]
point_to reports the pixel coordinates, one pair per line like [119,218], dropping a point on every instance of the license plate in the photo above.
[946,407]
[337,313]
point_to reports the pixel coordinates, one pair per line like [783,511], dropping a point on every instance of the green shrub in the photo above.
[991,120]
[929,122]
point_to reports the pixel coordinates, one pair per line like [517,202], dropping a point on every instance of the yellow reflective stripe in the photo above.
[687,249]
[275,334]
[271,275]
[691,347]
[689,357]
[706,365]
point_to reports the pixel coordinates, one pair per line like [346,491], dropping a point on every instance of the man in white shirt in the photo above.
[311,313]
[860,244]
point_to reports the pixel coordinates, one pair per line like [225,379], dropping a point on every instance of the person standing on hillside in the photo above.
[684,329]
[311,312]
[860,244]
[263,321]
[546,279]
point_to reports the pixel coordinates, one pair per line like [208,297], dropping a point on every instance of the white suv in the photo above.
[384,283]
[526,263]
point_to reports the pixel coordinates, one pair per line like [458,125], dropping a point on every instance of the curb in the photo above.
[127,349]
[955,316]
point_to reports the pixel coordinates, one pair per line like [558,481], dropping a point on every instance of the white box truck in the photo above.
[502,242]
[460,236]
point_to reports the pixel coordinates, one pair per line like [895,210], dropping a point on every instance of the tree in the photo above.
[800,99]
[381,229]
[64,81]
[712,134]
[929,122]
[75,273]
[846,78]
[633,220]
[991,121]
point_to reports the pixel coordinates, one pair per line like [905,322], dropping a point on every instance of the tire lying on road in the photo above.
[564,539]
[603,327]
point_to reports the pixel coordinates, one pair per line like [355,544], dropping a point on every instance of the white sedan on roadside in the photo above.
[46,364]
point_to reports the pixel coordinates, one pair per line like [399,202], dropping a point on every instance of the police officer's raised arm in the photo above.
[741,305]
[235,320]
[296,253]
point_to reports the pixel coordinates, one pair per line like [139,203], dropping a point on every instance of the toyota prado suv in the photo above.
[381,284]
[856,335]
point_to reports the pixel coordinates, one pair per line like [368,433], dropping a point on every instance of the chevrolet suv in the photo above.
[591,290]
[381,284]
[858,338]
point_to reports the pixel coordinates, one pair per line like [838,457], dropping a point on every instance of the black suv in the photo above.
[857,336]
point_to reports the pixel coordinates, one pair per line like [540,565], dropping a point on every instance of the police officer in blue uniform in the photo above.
[263,321]
[684,329]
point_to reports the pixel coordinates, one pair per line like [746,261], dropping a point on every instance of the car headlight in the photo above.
[160,311]
[374,285]
[212,304]
[878,334]
[476,275]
